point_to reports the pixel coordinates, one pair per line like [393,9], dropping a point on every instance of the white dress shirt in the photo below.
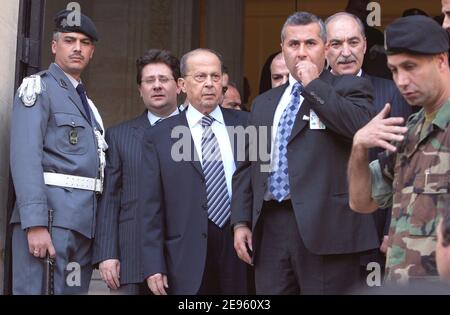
[194,118]
[152,118]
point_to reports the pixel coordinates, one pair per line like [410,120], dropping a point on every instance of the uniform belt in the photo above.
[71,181]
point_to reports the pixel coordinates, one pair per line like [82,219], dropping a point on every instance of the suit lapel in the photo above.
[140,124]
[304,110]
[65,83]
[269,112]
[231,121]
[194,158]
[300,123]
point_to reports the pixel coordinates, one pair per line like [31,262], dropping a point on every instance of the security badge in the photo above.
[314,122]
[73,136]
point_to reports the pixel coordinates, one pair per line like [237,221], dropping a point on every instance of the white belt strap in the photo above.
[71,181]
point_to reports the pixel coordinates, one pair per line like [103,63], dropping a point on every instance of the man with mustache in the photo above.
[57,163]
[345,49]
[412,175]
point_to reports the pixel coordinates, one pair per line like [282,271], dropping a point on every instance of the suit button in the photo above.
[204,235]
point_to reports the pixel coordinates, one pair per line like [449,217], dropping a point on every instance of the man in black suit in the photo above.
[294,218]
[189,160]
[116,243]
[345,49]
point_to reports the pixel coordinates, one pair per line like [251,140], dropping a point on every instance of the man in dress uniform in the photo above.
[57,161]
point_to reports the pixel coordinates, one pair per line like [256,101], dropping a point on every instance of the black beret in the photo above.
[87,27]
[415,34]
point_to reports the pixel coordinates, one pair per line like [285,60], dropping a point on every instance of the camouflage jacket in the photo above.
[420,175]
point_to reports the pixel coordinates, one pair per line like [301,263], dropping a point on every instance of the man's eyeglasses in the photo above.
[152,80]
[201,77]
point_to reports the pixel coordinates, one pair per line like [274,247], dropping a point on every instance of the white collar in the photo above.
[195,117]
[358,74]
[152,118]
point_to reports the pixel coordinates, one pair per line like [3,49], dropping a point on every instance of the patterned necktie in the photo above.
[82,93]
[216,185]
[279,179]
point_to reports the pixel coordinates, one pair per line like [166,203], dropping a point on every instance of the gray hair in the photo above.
[184,59]
[304,18]
[56,35]
[357,19]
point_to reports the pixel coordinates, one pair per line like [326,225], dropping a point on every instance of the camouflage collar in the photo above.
[443,116]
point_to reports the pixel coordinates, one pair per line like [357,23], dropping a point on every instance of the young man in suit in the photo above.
[345,49]
[187,247]
[116,243]
[294,217]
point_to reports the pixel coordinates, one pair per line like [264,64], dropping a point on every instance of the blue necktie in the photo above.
[216,185]
[82,93]
[279,179]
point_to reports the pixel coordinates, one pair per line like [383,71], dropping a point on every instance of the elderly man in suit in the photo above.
[57,164]
[116,243]
[346,46]
[189,160]
[292,219]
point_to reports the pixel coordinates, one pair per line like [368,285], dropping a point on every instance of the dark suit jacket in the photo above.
[116,233]
[385,91]
[173,205]
[317,166]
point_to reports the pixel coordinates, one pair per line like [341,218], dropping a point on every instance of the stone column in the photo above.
[8,33]
[224,33]
[185,26]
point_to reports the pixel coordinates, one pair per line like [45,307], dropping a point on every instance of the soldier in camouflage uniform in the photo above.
[413,174]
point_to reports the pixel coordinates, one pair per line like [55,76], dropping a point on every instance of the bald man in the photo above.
[279,73]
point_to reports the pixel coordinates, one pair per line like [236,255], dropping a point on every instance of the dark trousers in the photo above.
[224,272]
[128,289]
[283,264]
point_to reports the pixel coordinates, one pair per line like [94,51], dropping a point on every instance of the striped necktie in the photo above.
[218,199]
